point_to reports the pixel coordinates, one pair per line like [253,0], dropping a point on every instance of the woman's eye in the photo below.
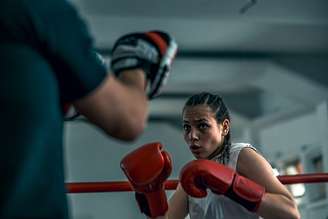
[186,128]
[203,126]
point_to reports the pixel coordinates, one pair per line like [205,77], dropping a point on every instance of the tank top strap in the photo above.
[234,153]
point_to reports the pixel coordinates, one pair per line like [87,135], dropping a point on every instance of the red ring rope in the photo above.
[124,186]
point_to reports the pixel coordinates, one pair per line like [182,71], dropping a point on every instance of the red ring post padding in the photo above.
[124,186]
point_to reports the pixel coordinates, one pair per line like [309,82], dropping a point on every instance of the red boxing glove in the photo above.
[147,168]
[198,175]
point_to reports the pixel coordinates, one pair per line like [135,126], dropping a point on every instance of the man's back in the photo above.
[47,58]
[30,137]
[32,182]
[31,160]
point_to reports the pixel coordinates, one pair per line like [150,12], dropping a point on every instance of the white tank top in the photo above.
[215,206]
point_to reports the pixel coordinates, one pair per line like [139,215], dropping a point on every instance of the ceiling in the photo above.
[268,62]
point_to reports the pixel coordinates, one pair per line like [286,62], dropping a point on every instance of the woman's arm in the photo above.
[178,204]
[277,201]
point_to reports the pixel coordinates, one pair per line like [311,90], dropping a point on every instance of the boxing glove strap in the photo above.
[246,192]
[153,204]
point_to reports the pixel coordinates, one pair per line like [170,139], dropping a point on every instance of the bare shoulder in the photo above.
[254,166]
[249,160]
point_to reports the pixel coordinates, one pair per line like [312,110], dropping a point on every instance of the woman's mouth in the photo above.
[195,149]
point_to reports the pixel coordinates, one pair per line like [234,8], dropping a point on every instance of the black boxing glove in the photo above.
[151,51]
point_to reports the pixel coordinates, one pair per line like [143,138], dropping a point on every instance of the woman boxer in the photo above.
[206,124]
[225,181]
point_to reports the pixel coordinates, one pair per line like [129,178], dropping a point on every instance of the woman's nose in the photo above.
[193,134]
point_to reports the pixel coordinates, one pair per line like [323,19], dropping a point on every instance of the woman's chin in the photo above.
[199,156]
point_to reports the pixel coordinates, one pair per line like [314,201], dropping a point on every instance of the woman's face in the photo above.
[202,133]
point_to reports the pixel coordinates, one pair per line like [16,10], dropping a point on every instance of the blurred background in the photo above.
[267,59]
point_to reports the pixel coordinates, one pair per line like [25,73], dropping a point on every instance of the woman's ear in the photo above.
[225,127]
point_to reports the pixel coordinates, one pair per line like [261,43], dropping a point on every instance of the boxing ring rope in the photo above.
[124,186]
